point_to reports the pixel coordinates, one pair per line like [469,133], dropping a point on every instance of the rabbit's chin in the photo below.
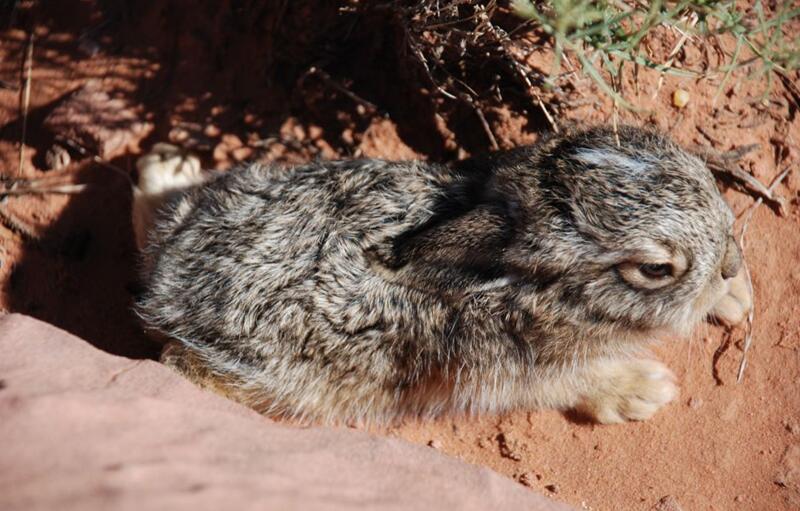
[682,321]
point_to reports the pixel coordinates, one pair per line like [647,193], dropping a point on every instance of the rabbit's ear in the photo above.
[474,239]
[468,227]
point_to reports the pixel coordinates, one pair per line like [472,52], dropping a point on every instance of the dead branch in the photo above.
[725,164]
[748,338]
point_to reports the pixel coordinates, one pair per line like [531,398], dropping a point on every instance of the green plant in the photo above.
[606,35]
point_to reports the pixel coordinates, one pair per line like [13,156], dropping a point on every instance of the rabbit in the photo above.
[370,291]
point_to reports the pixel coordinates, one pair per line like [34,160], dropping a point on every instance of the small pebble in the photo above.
[57,157]
[435,444]
[695,403]
[298,132]
[212,131]
[241,153]
[509,447]
[680,98]
[667,503]
[178,135]
[552,488]
[526,479]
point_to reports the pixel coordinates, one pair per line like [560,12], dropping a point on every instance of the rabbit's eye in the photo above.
[656,270]
[654,266]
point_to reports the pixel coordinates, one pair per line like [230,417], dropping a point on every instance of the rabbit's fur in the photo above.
[370,290]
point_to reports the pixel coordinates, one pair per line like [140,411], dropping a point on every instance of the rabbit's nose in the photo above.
[732,261]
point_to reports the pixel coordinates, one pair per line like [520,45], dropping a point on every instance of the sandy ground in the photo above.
[70,260]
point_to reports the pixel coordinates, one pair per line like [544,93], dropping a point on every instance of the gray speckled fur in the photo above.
[370,290]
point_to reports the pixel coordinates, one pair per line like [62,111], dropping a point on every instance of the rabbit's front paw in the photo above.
[629,390]
[167,168]
[734,307]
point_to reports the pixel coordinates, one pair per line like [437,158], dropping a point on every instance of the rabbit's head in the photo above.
[623,229]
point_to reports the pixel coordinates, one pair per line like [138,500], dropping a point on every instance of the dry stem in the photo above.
[748,338]
[25,100]
[725,163]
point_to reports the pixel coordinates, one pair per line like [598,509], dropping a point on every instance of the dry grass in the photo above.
[25,99]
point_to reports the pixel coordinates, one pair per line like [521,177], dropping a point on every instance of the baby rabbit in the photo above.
[371,290]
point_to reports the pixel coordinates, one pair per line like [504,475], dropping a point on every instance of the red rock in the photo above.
[85,430]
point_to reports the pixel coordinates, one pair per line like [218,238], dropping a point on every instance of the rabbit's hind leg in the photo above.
[191,365]
[163,172]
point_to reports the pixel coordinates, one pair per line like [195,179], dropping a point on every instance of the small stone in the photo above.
[226,147]
[232,141]
[435,444]
[178,135]
[739,498]
[680,98]
[695,403]
[242,153]
[526,479]
[298,132]
[792,427]
[314,132]
[57,157]
[509,448]
[667,503]
[212,131]
[552,488]
[347,136]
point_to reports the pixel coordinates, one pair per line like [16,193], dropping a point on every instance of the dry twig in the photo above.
[725,164]
[25,100]
[63,189]
[313,70]
[671,57]
[486,127]
[748,338]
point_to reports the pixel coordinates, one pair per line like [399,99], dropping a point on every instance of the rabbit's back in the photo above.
[263,271]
